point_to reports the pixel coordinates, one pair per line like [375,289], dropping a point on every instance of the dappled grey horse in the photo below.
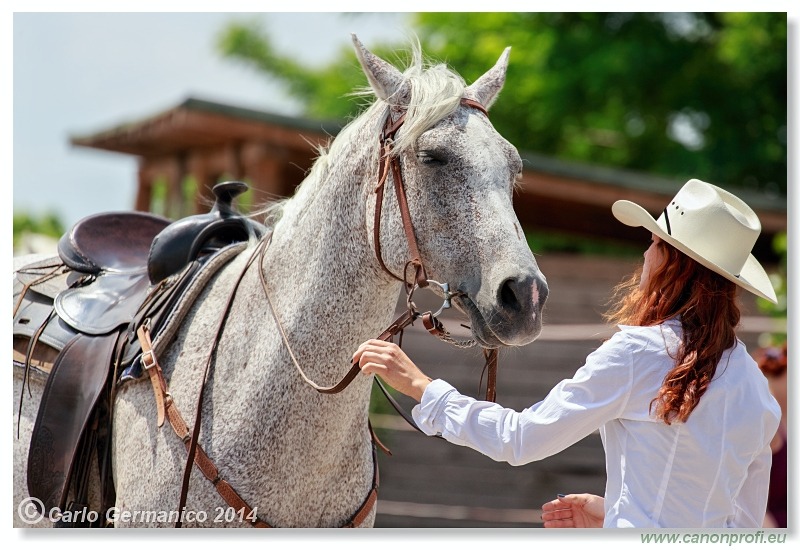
[298,457]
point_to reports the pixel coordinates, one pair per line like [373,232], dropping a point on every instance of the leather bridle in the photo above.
[390,161]
[166,408]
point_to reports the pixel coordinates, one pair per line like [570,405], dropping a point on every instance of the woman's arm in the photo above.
[572,410]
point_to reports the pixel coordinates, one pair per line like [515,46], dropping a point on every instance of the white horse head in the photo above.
[460,176]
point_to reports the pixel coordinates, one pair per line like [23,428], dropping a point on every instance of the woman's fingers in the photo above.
[371,360]
[374,346]
[560,524]
[555,515]
[391,363]
[574,510]
[377,351]
[552,505]
[371,363]
[562,513]
[558,514]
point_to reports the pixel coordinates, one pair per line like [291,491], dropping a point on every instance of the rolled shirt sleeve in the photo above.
[574,408]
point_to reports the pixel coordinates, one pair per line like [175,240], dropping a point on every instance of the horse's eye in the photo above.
[431,158]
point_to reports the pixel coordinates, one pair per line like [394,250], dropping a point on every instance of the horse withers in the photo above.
[298,457]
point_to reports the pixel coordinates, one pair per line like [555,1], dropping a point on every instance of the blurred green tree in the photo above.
[677,94]
[780,245]
[48,224]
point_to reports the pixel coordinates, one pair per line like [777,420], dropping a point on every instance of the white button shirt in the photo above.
[711,471]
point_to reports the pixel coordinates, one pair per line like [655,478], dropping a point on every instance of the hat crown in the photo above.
[713,223]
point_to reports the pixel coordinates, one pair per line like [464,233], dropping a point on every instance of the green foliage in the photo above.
[779,280]
[323,91]
[678,94]
[48,224]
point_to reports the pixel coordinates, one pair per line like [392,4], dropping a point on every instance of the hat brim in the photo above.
[752,278]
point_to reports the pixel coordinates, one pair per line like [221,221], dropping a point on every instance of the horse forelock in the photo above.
[435,93]
[429,93]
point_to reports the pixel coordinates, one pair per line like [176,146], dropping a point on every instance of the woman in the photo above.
[685,415]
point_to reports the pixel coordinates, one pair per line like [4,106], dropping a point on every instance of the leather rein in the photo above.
[167,410]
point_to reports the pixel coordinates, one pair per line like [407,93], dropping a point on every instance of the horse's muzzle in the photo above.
[514,316]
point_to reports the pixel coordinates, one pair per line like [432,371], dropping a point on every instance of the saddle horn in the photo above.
[184,240]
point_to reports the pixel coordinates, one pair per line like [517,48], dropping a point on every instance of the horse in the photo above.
[333,272]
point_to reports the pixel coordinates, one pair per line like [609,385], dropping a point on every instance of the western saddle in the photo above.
[76,318]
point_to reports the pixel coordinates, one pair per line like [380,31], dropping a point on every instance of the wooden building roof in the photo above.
[212,141]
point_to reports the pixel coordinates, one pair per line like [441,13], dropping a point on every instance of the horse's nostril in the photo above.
[508,295]
[543,290]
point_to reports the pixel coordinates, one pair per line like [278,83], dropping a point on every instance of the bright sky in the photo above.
[77,73]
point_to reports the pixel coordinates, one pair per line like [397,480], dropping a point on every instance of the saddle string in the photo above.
[32,342]
[26,382]
[107,488]
[55,272]
[57,269]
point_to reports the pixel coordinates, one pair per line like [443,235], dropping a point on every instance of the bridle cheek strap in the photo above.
[392,162]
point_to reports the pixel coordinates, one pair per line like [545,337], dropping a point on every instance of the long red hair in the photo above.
[709,311]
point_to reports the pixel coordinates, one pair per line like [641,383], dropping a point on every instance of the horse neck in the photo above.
[320,266]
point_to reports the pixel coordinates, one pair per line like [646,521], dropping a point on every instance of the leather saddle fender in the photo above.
[111,268]
[72,391]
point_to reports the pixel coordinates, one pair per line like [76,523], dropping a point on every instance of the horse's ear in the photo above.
[384,78]
[487,87]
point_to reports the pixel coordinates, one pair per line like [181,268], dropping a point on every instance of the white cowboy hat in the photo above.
[711,226]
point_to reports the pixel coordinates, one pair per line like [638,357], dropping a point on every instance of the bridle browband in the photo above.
[166,408]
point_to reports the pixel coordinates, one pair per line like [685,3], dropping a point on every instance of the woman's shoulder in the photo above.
[630,343]
[662,333]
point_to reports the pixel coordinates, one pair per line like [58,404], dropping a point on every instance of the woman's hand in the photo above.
[579,511]
[392,364]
